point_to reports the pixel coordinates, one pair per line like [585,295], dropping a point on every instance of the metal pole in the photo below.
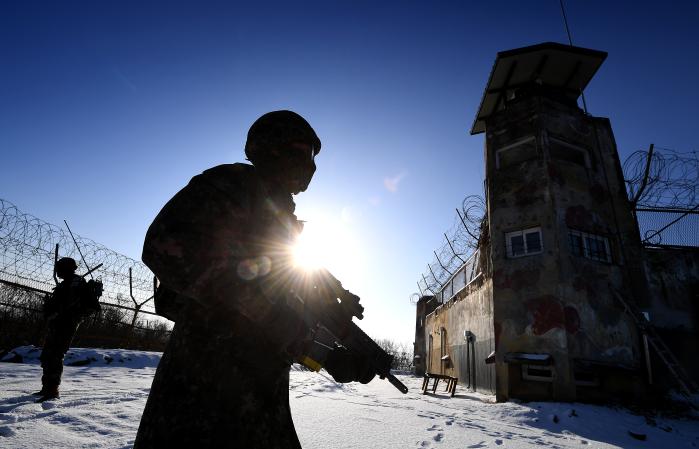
[440,264]
[433,276]
[463,221]
[131,288]
[427,286]
[55,260]
[570,41]
[452,248]
[647,354]
[644,182]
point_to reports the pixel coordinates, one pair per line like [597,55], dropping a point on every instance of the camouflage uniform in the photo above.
[220,250]
[62,309]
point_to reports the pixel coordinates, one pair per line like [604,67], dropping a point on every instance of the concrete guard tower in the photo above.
[562,235]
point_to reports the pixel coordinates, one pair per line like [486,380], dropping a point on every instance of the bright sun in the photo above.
[327,244]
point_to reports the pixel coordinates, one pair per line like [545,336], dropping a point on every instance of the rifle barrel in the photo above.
[397,383]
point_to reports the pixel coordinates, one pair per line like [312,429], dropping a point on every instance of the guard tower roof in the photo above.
[565,67]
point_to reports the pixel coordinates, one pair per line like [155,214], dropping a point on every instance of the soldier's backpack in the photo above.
[89,299]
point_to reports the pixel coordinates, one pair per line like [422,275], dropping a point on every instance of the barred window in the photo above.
[524,242]
[591,246]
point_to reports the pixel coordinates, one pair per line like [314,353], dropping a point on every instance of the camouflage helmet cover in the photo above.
[67,264]
[277,129]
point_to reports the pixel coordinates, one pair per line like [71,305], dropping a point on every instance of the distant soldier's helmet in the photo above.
[277,129]
[66,264]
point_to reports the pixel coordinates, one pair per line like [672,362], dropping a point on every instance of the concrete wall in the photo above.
[424,306]
[555,302]
[673,281]
[471,311]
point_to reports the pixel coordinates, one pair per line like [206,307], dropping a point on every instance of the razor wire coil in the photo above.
[27,248]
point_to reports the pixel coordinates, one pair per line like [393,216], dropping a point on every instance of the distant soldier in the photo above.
[72,300]
[221,249]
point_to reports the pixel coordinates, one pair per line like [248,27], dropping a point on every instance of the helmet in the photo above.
[66,264]
[276,129]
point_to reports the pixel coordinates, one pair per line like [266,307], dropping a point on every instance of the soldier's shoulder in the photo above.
[78,280]
[231,172]
[231,178]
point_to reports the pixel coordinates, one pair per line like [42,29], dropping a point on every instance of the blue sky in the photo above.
[109,108]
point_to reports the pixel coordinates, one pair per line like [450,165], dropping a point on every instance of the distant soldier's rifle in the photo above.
[95,286]
[328,309]
[89,271]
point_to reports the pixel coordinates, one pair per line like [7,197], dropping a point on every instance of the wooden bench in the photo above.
[451,383]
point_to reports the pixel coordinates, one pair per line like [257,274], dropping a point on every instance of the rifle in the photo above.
[328,309]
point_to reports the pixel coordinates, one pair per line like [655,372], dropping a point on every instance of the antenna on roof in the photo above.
[570,41]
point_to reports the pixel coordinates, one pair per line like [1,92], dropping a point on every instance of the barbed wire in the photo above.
[460,241]
[27,248]
[672,181]
[672,178]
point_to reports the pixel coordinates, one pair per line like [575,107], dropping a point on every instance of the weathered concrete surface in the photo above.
[471,311]
[555,302]
[673,281]
[561,301]
[424,307]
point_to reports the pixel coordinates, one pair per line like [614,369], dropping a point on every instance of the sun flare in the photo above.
[325,244]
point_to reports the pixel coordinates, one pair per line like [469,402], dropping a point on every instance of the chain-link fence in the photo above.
[669,227]
[29,247]
[663,188]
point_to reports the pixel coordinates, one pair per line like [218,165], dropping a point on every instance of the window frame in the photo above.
[583,150]
[498,164]
[586,253]
[523,233]
[535,377]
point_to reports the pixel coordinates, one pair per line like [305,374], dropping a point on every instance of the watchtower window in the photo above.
[516,153]
[524,242]
[564,151]
[590,246]
[538,373]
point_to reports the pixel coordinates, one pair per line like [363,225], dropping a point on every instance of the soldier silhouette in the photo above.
[220,248]
[71,301]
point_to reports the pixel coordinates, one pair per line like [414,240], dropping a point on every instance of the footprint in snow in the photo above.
[439,437]
[5,431]
[48,405]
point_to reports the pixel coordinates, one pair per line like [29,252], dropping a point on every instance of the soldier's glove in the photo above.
[347,367]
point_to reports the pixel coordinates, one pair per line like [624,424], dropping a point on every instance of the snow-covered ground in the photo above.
[102,399]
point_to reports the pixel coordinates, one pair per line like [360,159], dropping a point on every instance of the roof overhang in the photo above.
[565,67]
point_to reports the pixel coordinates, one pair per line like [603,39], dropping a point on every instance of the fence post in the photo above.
[55,260]
[442,265]
[452,248]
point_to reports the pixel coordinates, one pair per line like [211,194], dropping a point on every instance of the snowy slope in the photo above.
[101,404]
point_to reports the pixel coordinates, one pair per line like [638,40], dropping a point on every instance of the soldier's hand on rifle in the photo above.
[347,367]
